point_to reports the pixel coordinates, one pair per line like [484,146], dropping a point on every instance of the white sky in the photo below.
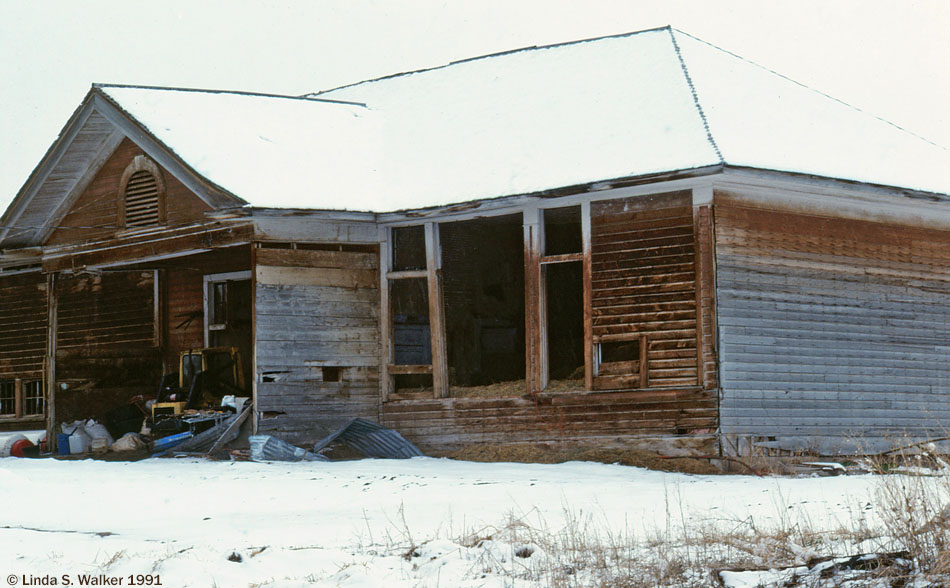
[889,58]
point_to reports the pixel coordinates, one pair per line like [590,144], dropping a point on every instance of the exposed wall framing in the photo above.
[483,283]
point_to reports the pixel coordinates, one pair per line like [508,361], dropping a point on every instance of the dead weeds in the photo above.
[540,453]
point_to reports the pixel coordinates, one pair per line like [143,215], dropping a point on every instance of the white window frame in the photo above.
[209,280]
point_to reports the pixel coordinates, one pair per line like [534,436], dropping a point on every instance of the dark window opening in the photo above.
[331,373]
[34,402]
[562,230]
[8,398]
[483,294]
[409,303]
[219,305]
[413,385]
[564,298]
[619,351]
[619,364]
[409,248]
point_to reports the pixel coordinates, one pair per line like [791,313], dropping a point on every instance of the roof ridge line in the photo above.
[699,106]
[807,87]
[234,92]
[485,56]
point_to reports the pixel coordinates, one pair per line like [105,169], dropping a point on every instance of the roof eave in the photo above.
[212,194]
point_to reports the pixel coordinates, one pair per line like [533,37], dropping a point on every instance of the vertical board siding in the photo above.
[23,325]
[315,309]
[832,327]
[643,280]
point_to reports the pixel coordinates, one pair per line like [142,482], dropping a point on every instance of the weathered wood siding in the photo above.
[315,310]
[831,327]
[23,331]
[94,214]
[604,419]
[107,342]
[23,318]
[643,280]
[706,296]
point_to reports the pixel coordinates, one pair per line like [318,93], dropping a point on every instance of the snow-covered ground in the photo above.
[355,523]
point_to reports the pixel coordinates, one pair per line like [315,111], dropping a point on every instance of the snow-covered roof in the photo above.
[521,122]
[631,105]
[272,151]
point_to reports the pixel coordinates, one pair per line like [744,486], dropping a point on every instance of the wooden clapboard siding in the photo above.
[604,418]
[23,318]
[314,309]
[643,281]
[107,342]
[831,327]
[94,214]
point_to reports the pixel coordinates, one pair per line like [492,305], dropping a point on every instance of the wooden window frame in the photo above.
[538,372]
[433,276]
[643,345]
[19,397]
[141,163]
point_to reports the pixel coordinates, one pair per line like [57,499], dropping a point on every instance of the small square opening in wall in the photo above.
[332,373]
[619,351]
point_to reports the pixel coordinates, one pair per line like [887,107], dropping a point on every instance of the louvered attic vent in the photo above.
[141,200]
[141,194]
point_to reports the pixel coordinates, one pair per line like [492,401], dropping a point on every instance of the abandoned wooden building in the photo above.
[636,237]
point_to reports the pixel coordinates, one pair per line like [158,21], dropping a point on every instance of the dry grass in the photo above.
[514,389]
[906,544]
[539,453]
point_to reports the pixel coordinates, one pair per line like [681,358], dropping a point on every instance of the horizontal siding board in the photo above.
[831,327]
[316,308]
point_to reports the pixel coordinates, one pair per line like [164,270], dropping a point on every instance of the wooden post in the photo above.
[644,361]
[702,200]
[532,298]
[385,320]
[440,379]
[49,375]
[586,273]
[18,397]
[252,385]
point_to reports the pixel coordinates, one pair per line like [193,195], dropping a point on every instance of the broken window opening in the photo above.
[483,296]
[409,248]
[409,304]
[227,307]
[620,361]
[619,351]
[412,386]
[562,230]
[564,303]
